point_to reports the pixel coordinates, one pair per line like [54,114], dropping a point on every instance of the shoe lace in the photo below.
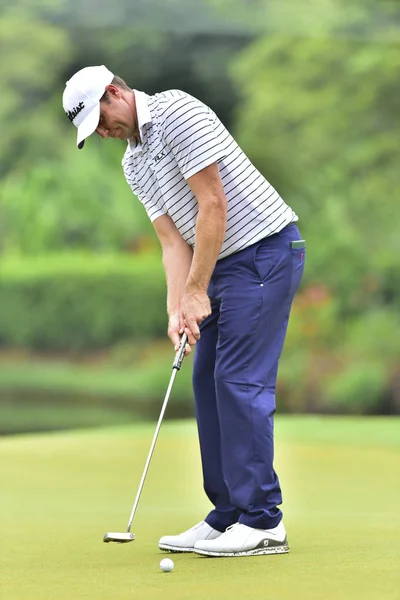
[231,528]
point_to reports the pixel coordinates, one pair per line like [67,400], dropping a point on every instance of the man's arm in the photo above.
[210,231]
[198,142]
[177,258]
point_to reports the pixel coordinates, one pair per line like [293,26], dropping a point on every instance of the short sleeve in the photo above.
[152,207]
[153,211]
[193,133]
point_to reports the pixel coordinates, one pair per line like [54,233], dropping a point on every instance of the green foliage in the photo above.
[172,16]
[358,389]
[321,129]
[327,105]
[59,394]
[368,359]
[81,302]
[25,414]
[78,202]
[350,19]
[33,53]
[319,94]
[53,197]
[334,365]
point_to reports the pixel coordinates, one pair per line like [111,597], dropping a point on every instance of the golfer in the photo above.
[233,258]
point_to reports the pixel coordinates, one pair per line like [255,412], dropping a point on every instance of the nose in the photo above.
[102,131]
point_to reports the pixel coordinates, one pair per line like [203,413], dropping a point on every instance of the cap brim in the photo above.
[88,126]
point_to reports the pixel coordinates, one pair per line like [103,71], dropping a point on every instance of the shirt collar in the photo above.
[143,116]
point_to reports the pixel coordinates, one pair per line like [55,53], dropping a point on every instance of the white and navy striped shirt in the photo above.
[181,136]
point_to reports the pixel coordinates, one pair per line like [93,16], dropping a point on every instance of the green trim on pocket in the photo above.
[298,244]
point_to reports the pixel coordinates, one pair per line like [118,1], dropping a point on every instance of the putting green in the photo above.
[61,492]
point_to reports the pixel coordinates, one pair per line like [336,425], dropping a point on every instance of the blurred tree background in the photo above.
[311,92]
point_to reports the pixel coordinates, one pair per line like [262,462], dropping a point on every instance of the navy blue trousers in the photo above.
[234,378]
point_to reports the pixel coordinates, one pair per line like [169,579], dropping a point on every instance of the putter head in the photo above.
[119,538]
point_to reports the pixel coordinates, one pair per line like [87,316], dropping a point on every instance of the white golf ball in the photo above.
[166,565]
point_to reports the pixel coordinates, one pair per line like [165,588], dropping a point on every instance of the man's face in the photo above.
[117,119]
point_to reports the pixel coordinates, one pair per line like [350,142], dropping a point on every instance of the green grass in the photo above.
[61,492]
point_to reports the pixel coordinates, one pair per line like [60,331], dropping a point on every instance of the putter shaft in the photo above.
[175,367]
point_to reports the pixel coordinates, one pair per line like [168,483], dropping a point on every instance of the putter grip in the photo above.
[180,353]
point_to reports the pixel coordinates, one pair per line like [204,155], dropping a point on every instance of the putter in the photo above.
[125,537]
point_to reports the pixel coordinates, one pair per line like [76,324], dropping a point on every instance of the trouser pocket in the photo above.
[298,253]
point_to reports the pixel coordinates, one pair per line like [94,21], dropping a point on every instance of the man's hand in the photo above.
[175,332]
[195,307]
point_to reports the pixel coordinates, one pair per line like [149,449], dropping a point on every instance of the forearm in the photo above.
[177,259]
[210,232]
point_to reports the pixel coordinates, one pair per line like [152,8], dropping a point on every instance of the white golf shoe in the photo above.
[184,542]
[241,540]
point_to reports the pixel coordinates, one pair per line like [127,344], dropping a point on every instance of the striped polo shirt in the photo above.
[181,136]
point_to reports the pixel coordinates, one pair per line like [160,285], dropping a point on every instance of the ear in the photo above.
[113,91]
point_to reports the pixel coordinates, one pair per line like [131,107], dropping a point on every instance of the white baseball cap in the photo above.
[81,99]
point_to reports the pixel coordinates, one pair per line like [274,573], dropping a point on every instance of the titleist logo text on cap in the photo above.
[71,114]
